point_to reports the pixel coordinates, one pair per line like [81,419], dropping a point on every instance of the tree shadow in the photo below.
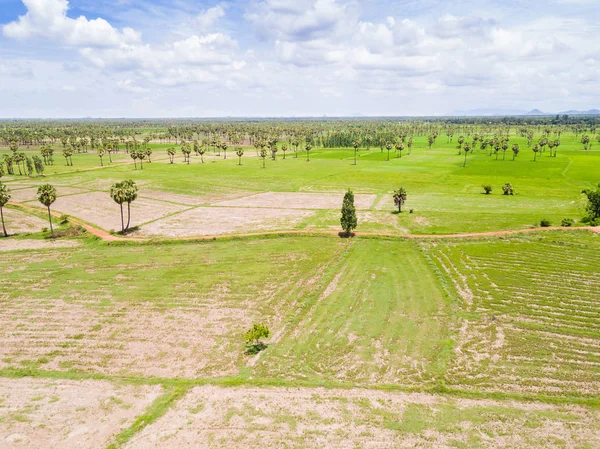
[256,348]
[346,235]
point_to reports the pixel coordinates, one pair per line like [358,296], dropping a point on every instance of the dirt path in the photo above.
[106,236]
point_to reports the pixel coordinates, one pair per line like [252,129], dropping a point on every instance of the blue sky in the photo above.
[132,58]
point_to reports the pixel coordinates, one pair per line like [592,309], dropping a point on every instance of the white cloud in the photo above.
[48,19]
[208,17]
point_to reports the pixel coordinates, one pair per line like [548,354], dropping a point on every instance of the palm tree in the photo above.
[400,196]
[515,150]
[399,148]
[307,148]
[101,155]
[355,144]
[263,156]
[171,153]
[284,148]
[466,149]
[240,152]
[131,193]
[4,198]
[117,193]
[388,147]
[535,149]
[46,194]
[134,156]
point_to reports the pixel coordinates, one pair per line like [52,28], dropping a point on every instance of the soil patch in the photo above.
[63,414]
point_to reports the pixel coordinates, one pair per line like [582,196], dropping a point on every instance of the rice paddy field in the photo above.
[404,336]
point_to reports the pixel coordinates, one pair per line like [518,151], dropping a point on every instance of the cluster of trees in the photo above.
[124,192]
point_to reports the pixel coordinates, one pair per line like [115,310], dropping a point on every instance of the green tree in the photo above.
[507,188]
[131,194]
[253,337]
[38,164]
[348,219]
[118,194]
[307,148]
[240,152]
[593,206]
[536,149]
[466,149]
[400,196]
[46,194]
[4,198]
[171,152]
[515,150]
[355,144]
[263,156]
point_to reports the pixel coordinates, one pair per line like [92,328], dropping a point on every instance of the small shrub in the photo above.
[567,222]
[411,211]
[487,189]
[45,230]
[544,223]
[64,219]
[508,189]
[253,338]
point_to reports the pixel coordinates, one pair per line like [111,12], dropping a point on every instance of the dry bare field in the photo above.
[18,222]
[65,414]
[213,417]
[298,200]
[225,220]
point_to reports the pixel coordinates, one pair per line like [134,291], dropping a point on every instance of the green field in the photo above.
[392,338]
[445,196]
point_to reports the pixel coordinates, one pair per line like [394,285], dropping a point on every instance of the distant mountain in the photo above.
[588,112]
[535,112]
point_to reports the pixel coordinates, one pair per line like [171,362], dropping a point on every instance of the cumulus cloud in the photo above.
[48,19]
[208,17]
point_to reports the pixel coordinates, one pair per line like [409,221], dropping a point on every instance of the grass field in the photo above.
[446,197]
[377,341]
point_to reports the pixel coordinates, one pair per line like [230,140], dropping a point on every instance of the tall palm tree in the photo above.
[240,152]
[46,194]
[4,198]
[117,193]
[307,148]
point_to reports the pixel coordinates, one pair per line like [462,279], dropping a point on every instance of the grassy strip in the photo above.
[155,411]
[242,381]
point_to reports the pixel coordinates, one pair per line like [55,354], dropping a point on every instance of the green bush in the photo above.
[544,223]
[487,189]
[567,222]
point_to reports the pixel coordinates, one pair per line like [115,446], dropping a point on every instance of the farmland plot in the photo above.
[64,414]
[212,417]
[531,320]
[167,311]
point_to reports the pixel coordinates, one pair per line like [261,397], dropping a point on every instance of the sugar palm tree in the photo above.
[307,148]
[117,193]
[400,196]
[515,150]
[466,149]
[46,194]
[535,149]
[388,147]
[240,152]
[4,198]
[355,144]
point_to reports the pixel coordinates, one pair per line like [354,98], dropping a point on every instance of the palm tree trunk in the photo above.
[2,217]
[50,220]
[122,221]
[128,215]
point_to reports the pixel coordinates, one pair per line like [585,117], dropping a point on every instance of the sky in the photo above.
[296,58]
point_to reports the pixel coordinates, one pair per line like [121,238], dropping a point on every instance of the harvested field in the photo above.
[18,222]
[64,414]
[181,313]
[534,313]
[30,194]
[213,417]
[21,244]
[98,208]
[225,220]
[299,200]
